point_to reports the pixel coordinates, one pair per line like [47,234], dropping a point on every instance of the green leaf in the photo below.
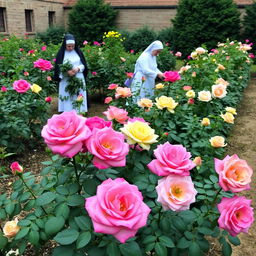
[29,205]
[62,190]
[90,186]
[54,225]
[45,198]
[75,200]
[9,208]
[63,251]
[24,223]
[130,249]
[226,249]
[214,179]
[194,249]
[205,230]
[160,249]
[2,214]
[188,215]
[113,250]
[83,222]
[166,241]
[23,232]
[3,241]
[62,210]
[183,243]
[149,239]
[83,239]
[67,236]
[33,237]
[234,240]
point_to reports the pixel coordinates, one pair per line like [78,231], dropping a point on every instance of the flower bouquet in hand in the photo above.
[73,83]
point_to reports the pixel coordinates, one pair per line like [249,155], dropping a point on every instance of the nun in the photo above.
[146,72]
[69,52]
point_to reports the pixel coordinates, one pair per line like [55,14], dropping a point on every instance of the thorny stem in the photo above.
[77,175]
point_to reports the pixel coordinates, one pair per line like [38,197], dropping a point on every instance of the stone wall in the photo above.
[15,15]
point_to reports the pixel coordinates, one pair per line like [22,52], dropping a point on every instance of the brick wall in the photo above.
[15,14]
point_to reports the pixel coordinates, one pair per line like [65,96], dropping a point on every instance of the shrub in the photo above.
[52,35]
[204,21]
[166,36]
[89,19]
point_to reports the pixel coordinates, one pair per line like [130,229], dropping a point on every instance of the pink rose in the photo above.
[117,209]
[3,89]
[134,119]
[25,73]
[171,76]
[123,92]
[112,86]
[21,86]
[48,99]
[43,48]
[187,87]
[131,51]
[97,122]
[108,100]
[129,74]
[16,168]
[251,55]
[171,159]
[96,43]
[178,54]
[64,134]
[176,192]
[118,114]
[49,78]
[191,101]
[236,215]
[43,65]
[31,52]
[108,148]
[234,173]
[85,42]
[21,49]
[94,73]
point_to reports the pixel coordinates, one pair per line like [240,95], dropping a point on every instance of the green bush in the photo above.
[89,19]
[204,22]
[166,35]
[52,35]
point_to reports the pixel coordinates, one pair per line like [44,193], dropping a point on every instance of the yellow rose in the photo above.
[166,102]
[159,86]
[231,110]
[193,74]
[221,67]
[204,96]
[145,103]
[193,55]
[228,117]
[139,132]
[206,121]
[219,91]
[190,94]
[36,88]
[11,228]
[218,142]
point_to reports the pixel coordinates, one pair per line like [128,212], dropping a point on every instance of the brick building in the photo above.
[31,16]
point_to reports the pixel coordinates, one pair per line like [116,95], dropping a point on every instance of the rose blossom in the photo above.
[118,114]
[112,86]
[219,91]
[134,119]
[21,86]
[48,99]
[85,42]
[43,48]
[97,122]
[36,88]
[236,215]
[187,87]
[231,110]
[198,161]
[221,81]
[108,148]
[178,54]
[94,73]
[159,86]
[145,103]
[205,121]
[129,74]
[190,94]
[176,192]
[166,102]
[191,101]
[218,142]
[228,117]
[11,228]
[26,73]
[204,96]
[171,159]
[234,173]
[200,50]
[64,134]
[171,76]
[43,65]
[49,78]
[3,89]
[123,92]
[117,209]
[16,168]
[108,100]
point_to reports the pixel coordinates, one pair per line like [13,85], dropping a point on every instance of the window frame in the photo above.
[29,20]
[4,20]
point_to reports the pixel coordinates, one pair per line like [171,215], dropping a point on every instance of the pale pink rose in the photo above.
[204,96]
[97,122]
[80,98]
[198,160]
[171,159]
[85,42]
[122,59]
[43,48]
[134,119]
[112,86]
[117,209]
[234,173]
[25,73]
[178,54]
[131,51]
[187,87]
[171,76]
[118,114]
[219,91]
[236,214]
[21,86]
[108,100]
[43,65]
[129,74]
[21,50]
[16,168]
[49,78]
[108,147]
[3,89]
[123,92]
[48,99]
[176,192]
[65,134]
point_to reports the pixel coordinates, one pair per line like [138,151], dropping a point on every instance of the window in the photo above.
[3,27]
[51,18]
[29,19]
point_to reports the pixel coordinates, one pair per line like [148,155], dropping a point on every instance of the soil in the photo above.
[242,142]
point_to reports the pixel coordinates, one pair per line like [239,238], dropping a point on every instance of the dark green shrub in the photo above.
[204,21]
[166,61]
[140,39]
[52,35]
[249,25]
[166,36]
[89,19]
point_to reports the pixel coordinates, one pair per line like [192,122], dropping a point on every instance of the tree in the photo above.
[89,19]
[204,22]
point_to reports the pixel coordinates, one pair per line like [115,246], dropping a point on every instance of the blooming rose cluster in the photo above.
[43,65]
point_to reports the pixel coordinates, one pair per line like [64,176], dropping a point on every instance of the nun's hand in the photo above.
[71,72]
[161,76]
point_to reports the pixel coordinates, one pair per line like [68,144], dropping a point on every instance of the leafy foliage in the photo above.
[53,35]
